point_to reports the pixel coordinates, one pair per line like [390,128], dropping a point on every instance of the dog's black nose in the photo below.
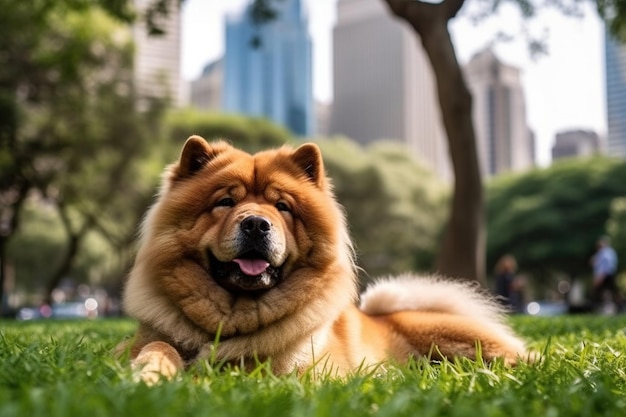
[256,226]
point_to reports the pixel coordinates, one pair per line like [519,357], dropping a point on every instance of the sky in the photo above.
[564,89]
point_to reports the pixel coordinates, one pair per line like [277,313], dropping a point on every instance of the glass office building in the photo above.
[615,58]
[268,68]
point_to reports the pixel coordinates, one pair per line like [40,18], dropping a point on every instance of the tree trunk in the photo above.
[462,252]
[64,268]
[10,215]
[73,245]
[3,274]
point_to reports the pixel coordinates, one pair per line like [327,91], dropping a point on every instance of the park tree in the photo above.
[394,206]
[41,240]
[551,218]
[69,131]
[249,133]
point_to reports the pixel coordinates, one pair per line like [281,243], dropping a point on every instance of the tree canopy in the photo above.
[395,207]
[70,131]
[551,218]
[249,133]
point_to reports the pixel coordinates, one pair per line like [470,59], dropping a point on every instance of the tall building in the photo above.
[505,143]
[206,90]
[323,111]
[268,68]
[615,57]
[383,84]
[575,143]
[158,58]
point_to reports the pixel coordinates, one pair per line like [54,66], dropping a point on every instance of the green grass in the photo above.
[53,368]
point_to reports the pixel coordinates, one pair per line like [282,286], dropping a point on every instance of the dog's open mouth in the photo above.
[248,272]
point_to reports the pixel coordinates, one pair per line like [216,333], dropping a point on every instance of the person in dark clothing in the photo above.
[507,286]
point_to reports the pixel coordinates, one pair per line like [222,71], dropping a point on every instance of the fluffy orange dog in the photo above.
[254,249]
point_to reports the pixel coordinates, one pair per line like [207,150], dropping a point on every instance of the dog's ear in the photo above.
[308,158]
[196,154]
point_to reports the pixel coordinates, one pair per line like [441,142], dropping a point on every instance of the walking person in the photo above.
[509,287]
[604,263]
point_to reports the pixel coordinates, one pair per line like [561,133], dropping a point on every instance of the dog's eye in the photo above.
[225,202]
[282,206]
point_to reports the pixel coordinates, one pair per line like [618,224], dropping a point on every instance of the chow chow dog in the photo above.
[247,258]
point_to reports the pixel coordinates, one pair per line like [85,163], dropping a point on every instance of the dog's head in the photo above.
[240,241]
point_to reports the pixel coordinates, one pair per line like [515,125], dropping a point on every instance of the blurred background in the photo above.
[96,97]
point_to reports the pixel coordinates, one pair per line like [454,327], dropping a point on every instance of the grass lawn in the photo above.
[56,368]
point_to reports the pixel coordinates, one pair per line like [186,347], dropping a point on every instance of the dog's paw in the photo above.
[156,360]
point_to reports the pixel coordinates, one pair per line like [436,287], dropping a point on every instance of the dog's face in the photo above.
[240,241]
[247,236]
[250,211]
[251,255]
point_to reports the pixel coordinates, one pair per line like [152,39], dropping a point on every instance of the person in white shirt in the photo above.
[604,264]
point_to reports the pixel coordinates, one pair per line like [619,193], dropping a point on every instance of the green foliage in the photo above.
[614,13]
[248,133]
[39,246]
[67,369]
[395,207]
[38,242]
[74,134]
[550,219]
[616,229]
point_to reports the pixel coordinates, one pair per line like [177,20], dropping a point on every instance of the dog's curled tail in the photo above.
[411,292]
[429,293]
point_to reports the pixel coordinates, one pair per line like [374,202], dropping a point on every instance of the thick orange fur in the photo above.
[303,315]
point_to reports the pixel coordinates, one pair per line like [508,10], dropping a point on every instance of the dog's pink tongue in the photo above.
[252,266]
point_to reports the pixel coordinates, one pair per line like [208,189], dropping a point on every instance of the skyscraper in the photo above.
[206,90]
[157,58]
[575,143]
[383,84]
[268,68]
[505,143]
[615,57]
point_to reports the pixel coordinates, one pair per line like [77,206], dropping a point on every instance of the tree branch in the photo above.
[451,8]
[421,15]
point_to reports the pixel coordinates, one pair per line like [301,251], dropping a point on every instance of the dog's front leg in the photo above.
[156,360]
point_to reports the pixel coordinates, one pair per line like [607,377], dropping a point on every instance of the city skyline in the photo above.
[564,90]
